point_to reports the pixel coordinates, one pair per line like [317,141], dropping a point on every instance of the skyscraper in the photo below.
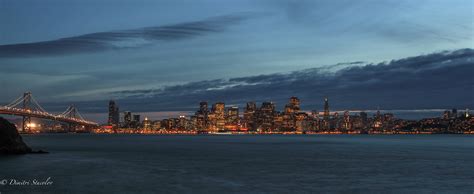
[249,115]
[295,103]
[233,116]
[114,115]
[127,119]
[136,121]
[326,108]
[219,111]
[202,119]
[203,107]
[347,121]
[146,124]
[265,116]
[289,116]
[326,114]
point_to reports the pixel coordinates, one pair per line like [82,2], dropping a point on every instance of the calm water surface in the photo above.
[88,163]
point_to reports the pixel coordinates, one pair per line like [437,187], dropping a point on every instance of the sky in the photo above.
[169,55]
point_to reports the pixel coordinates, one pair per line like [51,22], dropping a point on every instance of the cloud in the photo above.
[121,39]
[438,80]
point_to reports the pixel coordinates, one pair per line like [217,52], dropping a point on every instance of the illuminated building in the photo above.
[347,122]
[233,116]
[335,122]
[201,121]
[182,123]
[295,104]
[219,112]
[212,122]
[265,116]
[192,125]
[315,124]
[156,125]
[114,115]
[288,121]
[146,124]
[167,124]
[377,120]
[289,114]
[300,121]
[278,122]
[326,108]
[249,116]
[326,114]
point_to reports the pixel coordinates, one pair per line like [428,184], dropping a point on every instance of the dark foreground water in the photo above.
[87,163]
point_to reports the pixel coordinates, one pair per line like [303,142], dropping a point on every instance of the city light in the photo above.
[219,119]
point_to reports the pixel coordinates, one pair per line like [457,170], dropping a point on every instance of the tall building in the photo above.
[249,116]
[114,115]
[136,118]
[347,121]
[182,123]
[316,121]
[201,117]
[378,120]
[326,108]
[135,121]
[156,125]
[233,116]
[289,116]
[335,122]
[127,119]
[295,104]
[301,123]
[326,114]
[146,124]
[265,116]
[219,112]
[203,107]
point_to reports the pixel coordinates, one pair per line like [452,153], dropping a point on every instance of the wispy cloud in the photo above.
[120,39]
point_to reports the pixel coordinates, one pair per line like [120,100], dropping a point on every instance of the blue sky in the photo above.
[91,51]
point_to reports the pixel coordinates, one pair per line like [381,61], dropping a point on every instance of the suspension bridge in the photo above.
[27,107]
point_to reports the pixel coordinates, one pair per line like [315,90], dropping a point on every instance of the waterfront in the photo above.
[119,163]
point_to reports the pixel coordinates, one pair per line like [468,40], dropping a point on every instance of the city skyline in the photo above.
[264,118]
[159,115]
[219,116]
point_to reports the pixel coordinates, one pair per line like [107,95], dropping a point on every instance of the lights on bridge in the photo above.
[33,109]
[33,125]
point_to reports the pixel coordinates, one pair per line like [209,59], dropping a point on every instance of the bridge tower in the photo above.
[72,114]
[26,106]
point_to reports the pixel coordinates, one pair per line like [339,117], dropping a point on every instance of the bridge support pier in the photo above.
[26,106]
[26,124]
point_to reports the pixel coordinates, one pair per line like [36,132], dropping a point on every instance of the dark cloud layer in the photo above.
[121,39]
[439,80]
